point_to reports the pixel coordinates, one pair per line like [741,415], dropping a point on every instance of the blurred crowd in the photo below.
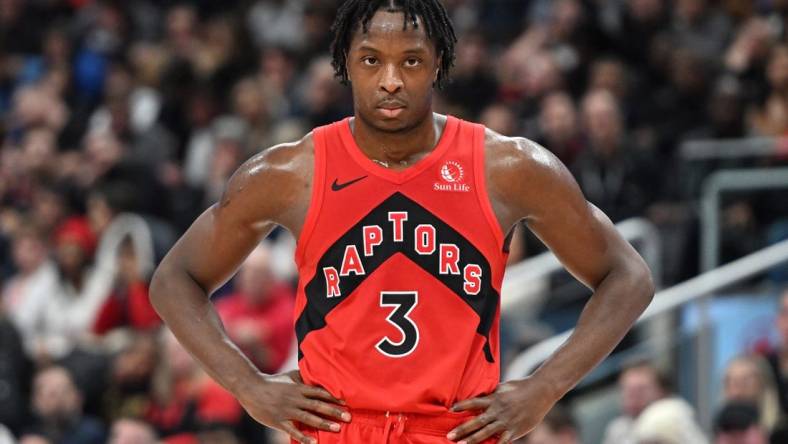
[121,122]
[752,406]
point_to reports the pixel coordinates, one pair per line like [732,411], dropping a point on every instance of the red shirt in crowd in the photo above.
[130,308]
[264,330]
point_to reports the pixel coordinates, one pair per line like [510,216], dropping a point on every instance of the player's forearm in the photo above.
[187,310]
[616,304]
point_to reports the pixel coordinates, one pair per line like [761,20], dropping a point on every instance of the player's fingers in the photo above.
[296,434]
[480,403]
[506,437]
[319,393]
[488,431]
[324,408]
[469,427]
[315,421]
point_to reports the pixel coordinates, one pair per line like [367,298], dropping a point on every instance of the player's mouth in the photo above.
[391,111]
[391,108]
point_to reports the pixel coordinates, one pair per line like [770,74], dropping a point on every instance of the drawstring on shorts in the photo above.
[390,420]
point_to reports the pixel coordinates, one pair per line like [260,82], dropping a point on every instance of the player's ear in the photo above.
[437,71]
[347,68]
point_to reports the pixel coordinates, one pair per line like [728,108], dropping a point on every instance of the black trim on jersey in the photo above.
[484,303]
[507,242]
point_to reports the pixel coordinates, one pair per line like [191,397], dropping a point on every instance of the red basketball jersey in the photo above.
[400,275]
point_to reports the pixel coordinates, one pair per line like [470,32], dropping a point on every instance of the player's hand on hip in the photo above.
[513,410]
[282,400]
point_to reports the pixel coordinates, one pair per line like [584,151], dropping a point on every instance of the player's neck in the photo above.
[400,149]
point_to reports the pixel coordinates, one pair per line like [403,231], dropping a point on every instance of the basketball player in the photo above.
[401,217]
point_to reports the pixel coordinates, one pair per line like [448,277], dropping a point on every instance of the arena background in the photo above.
[121,121]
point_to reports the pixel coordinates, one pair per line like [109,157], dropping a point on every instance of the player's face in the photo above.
[392,71]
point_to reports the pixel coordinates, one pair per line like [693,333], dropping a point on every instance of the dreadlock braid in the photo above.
[354,13]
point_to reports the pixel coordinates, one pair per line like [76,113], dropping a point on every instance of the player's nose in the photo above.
[390,79]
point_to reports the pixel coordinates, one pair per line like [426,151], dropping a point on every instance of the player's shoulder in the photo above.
[283,156]
[522,174]
[278,174]
[283,161]
[518,155]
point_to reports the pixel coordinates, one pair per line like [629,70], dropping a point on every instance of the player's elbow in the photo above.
[162,288]
[157,289]
[642,283]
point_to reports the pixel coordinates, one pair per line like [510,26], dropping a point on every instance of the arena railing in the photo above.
[724,181]
[715,149]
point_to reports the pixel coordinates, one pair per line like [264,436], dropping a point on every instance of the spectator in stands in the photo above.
[129,379]
[199,145]
[558,427]
[229,150]
[184,399]
[38,151]
[668,421]
[748,55]
[102,151]
[559,127]
[5,435]
[128,304]
[119,209]
[277,23]
[57,405]
[276,75]
[61,315]
[499,118]
[321,97]
[258,316]
[610,74]
[250,104]
[49,205]
[747,379]
[611,172]
[700,28]
[34,438]
[132,431]
[37,106]
[640,384]
[725,112]
[14,377]
[679,106]
[36,275]
[738,423]
[474,86]
[771,117]
[778,358]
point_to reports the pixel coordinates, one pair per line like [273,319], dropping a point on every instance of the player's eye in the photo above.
[369,61]
[412,62]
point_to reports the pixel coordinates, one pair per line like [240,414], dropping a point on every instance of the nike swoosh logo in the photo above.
[338,186]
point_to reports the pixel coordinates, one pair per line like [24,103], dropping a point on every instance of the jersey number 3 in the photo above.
[403,302]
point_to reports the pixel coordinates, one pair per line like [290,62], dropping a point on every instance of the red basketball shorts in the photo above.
[374,427]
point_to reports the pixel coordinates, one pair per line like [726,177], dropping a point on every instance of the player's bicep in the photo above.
[554,208]
[586,246]
[219,240]
[215,245]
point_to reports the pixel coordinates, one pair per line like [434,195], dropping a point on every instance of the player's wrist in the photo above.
[241,385]
[548,388]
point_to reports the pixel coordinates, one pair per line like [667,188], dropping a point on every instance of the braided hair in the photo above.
[433,15]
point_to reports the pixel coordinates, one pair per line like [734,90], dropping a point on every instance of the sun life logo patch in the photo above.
[452,175]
